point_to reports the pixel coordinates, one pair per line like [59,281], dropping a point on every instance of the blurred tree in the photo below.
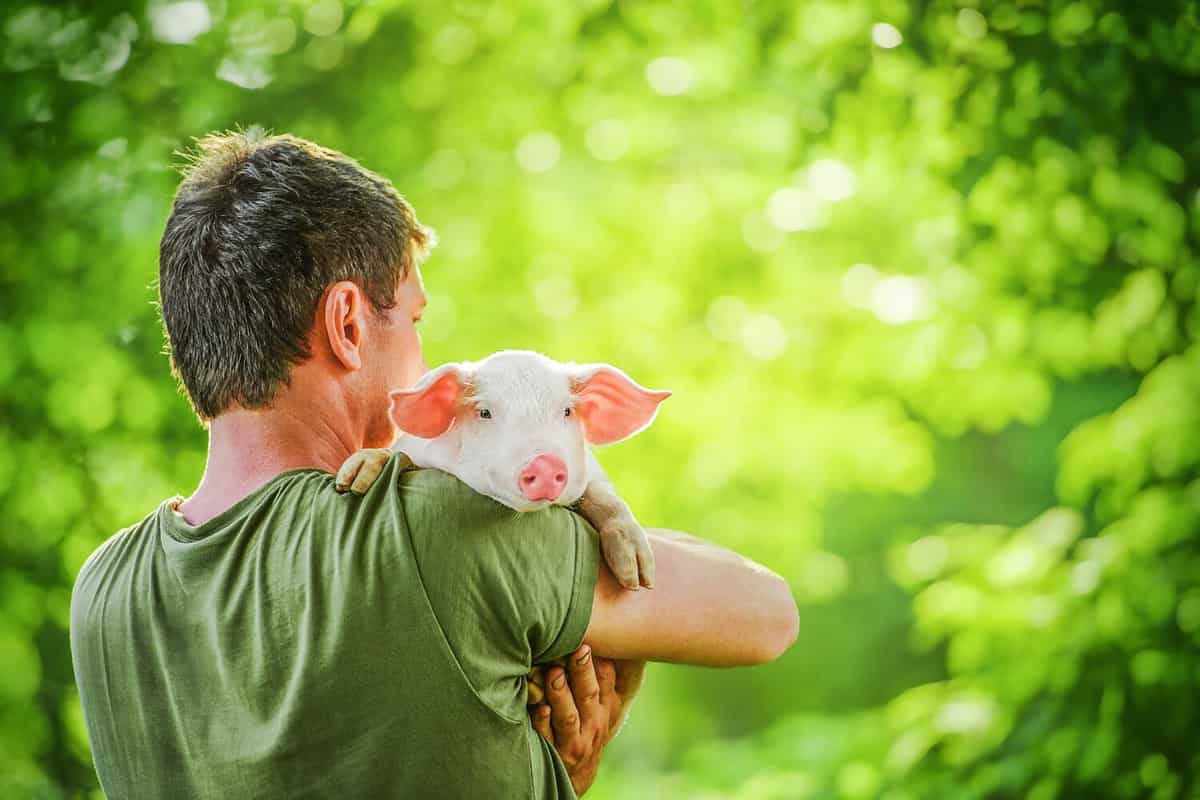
[922,275]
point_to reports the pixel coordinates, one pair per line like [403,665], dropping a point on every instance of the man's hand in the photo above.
[585,705]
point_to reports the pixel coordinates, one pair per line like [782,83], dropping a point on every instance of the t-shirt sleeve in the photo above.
[509,589]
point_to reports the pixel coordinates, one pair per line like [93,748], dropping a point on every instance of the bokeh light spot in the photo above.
[607,140]
[323,18]
[180,23]
[899,299]
[763,337]
[964,715]
[857,283]
[538,151]
[244,70]
[885,35]
[927,557]
[830,179]
[971,23]
[670,76]
[793,210]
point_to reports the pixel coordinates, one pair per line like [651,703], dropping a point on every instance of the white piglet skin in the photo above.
[516,426]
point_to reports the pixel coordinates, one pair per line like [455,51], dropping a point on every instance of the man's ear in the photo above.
[427,410]
[611,405]
[344,311]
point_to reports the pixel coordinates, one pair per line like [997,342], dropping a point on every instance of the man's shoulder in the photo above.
[106,561]
[445,493]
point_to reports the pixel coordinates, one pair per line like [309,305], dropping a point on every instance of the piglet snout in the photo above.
[543,478]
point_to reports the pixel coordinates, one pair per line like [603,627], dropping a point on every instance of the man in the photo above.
[268,637]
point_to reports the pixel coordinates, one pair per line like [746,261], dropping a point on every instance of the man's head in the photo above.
[277,253]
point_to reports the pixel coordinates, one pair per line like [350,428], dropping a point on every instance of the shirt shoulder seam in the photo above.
[441,630]
[573,602]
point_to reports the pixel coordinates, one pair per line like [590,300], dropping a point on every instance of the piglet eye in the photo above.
[485,414]
[567,413]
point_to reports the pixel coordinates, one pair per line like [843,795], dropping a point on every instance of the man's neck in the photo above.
[248,448]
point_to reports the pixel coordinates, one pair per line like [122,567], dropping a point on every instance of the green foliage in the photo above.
[922,276]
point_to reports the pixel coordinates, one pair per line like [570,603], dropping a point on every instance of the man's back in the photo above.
[305,643]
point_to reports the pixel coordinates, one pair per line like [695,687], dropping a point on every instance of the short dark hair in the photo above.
[260,226]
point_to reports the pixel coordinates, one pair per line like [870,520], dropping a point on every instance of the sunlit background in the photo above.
[923,278]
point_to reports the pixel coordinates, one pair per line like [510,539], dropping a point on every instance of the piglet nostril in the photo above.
[543,478]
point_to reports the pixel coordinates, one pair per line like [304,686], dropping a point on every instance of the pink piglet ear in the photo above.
[427,409]
[610,404]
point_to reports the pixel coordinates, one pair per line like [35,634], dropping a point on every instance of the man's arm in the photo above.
[710,607]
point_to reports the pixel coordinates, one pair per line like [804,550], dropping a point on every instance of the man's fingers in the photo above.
[564,717]
[584,686]
[540,715]
[606,678]
[535,684]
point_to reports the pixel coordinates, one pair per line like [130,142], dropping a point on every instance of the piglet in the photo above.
[517,427]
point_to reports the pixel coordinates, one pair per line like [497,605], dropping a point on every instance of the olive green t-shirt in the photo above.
[306,643]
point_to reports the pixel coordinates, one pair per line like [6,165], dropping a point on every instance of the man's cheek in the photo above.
[415,363]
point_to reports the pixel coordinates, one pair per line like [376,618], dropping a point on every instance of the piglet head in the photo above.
[515,426]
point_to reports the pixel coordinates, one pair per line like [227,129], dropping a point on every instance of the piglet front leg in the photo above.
[624,543]
[361,469]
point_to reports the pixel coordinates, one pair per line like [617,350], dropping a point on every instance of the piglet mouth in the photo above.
[525,506]
[562,501]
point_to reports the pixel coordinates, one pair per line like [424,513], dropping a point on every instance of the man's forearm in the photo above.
[710,606]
